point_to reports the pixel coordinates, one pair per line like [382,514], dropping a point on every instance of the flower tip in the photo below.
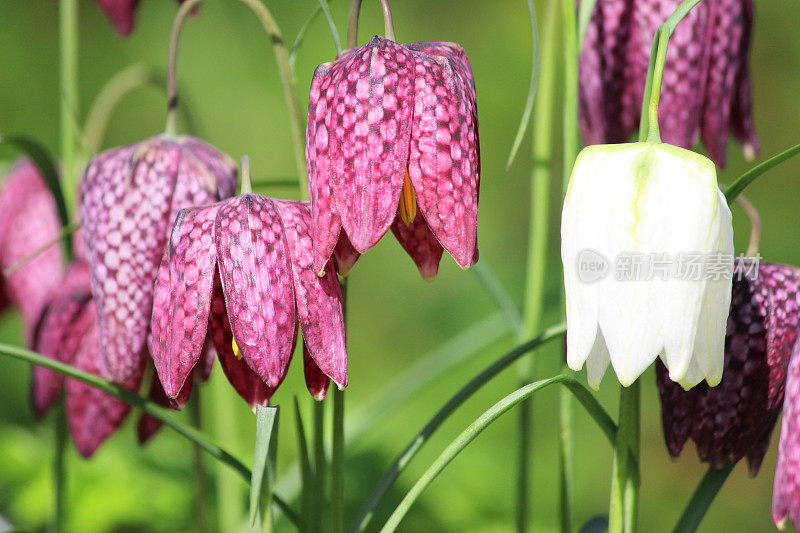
[750,152]
[320,395]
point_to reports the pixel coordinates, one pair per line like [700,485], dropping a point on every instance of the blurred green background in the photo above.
[227,72]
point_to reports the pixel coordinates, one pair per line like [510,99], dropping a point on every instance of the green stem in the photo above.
[648,125]
[225,428]
[247,187]
[144,405]
[337,463]
[702,498]
[468,435]
[59,470]
[542,155]
[201,518]
[297,117]
[320,467]
[739,185]
[404,458]
[624,478]
[68,49]
[352,26]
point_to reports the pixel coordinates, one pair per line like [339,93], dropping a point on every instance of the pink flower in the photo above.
[129,199]
[240,273]
[121,14]
[392,142]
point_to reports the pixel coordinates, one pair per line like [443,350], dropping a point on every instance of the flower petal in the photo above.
[256,277]
[420,243]
[182,297]
[93,415]
[344,254]
[319,299]
[65,320]
[370,101]
[786,487]
[443,161]
[316,380]
[246,382]
[120,14]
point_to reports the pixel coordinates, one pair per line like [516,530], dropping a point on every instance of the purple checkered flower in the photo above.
[240,273]
[130,197]
[706,87]
[735,419]
[392,142]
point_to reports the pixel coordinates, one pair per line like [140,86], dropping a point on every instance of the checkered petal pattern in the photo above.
[735,419]
[706,86]
[786,484]
[129,199]
[382,110]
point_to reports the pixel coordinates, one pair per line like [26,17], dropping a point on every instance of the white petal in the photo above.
[597,362]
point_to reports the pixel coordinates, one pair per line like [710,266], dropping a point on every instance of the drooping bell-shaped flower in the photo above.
[392,142]
[240,272]
[28,222]
[647,249]
[735,419]
[121,14]
[68,333]
[706,87]
[130,197]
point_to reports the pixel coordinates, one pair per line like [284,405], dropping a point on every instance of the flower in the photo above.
[129,199]
[626,203]
[786,485]
[706,86]
[28,223]
[240,273]
[735,419]
[392,141]
[121,14]
[68,333]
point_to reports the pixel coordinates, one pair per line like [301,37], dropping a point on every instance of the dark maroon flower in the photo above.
[121,13]
[392,142]
[706,86]
[28,222]
[786,485]
[240,271]
[735,419]
[129,199]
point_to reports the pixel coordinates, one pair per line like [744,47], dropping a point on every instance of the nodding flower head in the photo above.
[392,142]
[130,197]
[240,273]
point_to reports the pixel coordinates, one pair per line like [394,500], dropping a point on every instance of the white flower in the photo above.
[647,248]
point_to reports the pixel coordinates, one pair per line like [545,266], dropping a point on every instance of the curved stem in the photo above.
[401,461]
[702,498]
[735,189]
[352,27]
[143,405]
[755,224]
[468,435]
[122,83]
[297,117]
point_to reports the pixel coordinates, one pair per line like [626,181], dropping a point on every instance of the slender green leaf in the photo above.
[144,405]
[265,422]
[482,422]
[702,498]
[526,113]
[301,35]
[337,42]
[739,185]
[307,476]
[402,460]
[483,271]
[585,9]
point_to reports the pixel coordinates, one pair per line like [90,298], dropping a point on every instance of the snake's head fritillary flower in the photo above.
[130,197]
[28,222]
[121,14]
[735,419]
[392,142]
[786,485]
[240,271]
[706,87]
[68,333]
[627,203]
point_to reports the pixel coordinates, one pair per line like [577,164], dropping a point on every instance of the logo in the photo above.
[592,266]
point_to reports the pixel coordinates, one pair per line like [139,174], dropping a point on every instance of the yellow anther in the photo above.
[408,202]
[236,351]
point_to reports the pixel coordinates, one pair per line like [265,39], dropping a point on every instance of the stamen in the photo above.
[408,202]
[236,351]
